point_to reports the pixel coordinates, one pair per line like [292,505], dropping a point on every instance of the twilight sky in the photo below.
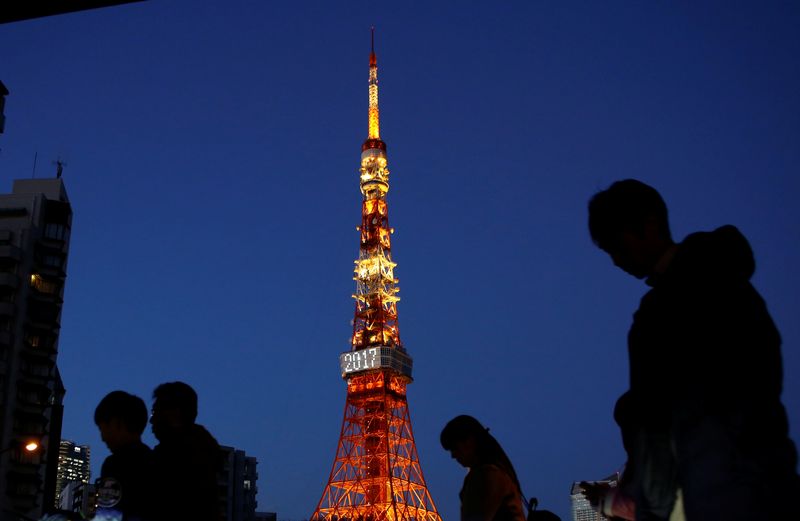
[212,151]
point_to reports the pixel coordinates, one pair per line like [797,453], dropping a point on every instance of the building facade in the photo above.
[73,466]
[237,485]
[582,510]
[35,223]
[78,497]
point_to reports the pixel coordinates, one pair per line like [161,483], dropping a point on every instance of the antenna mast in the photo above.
[374,120]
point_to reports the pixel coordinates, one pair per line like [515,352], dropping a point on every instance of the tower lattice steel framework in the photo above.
[376,474]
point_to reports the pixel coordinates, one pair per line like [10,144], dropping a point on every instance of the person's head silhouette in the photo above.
[121,418]
[629,221]
[174,409]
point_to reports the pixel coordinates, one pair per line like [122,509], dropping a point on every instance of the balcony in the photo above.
[9,280]
[40,354]
[51,271]
[32,371]
[10,251]
[23,484]
[32,398]
[38,344]
[33,423]
[50,261]
[45,307]
[43,319]
[56,235]
[46,289]
[34,363]
[7,309]
[26,462]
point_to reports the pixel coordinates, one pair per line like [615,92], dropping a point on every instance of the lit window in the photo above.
[43,285]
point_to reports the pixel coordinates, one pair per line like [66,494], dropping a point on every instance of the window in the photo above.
[32,369]
[43,285]
[39,341]
[55,261]
[56,231]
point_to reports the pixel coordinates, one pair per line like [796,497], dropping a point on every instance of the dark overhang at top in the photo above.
[17,10]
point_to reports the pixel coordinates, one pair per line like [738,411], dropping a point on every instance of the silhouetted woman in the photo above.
[491,490]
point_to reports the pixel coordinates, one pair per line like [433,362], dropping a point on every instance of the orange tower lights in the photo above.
[376,473]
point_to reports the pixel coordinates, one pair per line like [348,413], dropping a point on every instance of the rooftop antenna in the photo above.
[59,167]
[35,156]
[373,61]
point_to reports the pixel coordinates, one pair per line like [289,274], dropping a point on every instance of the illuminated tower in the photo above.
[376,474]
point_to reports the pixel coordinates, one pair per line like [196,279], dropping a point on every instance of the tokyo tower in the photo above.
[376,475]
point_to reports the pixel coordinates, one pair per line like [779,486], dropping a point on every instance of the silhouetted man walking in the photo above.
[122,418]
[187,458]
[703,418]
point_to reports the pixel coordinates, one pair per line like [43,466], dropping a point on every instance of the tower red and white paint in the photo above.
[376,473]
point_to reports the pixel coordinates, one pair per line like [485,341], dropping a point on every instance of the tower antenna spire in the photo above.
[373,60]
[374,118]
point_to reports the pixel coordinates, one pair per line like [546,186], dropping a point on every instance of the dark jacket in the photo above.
[187,469]
[704,412]
[132,468]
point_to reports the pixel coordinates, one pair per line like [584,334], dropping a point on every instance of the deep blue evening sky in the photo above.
[212,153]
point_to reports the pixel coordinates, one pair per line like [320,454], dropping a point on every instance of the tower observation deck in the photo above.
[376,474]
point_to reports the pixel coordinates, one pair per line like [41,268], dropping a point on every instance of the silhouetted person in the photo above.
[703,417]
[491,490]
[187,457]
[122,418]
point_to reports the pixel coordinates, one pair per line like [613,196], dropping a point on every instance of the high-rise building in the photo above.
[237,484]
[376,471]
[35,222]
[582,510]
[73,465]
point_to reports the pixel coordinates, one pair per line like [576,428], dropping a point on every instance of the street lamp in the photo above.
[30,445]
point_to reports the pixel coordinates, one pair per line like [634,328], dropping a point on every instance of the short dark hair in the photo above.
[625,206]
[177,395]
[130,409]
